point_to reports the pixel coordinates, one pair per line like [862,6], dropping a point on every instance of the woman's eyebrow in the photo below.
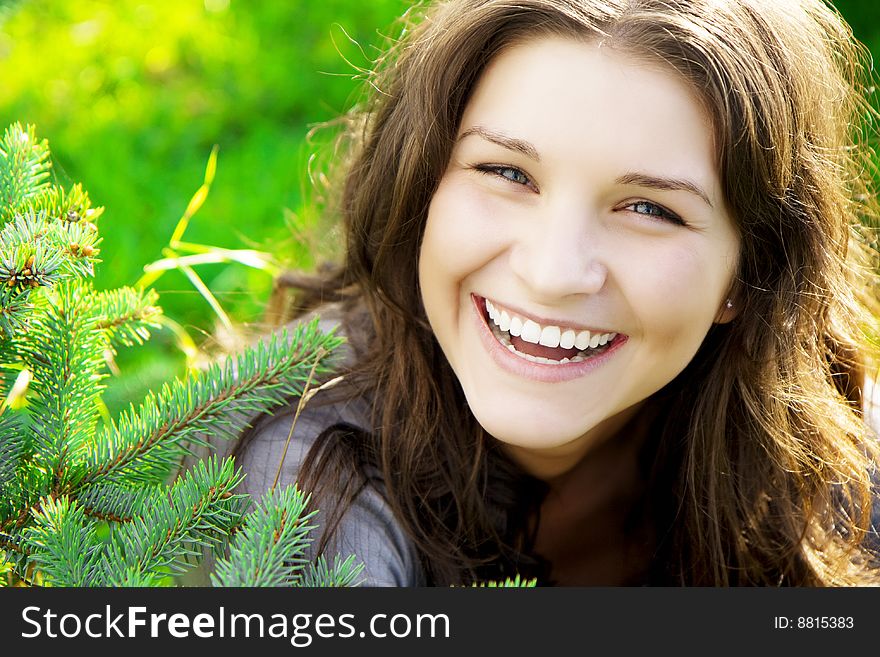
[510,143]
[655,182]
[630,178]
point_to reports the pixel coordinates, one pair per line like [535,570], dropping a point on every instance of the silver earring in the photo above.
[729,304]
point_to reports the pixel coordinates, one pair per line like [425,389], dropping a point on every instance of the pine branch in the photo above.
[144,445]
[14,310]
[38,252]
[26,263]
[22,495]
[508,583]
[134,577]
[268,551]
[13,446]
[194,514]
[59,479]
[24,168]
[70,248]
[62,544]
[72,206]
[78,243]
[65,354]
[117,503]
[343,573]
[126,314]
[32,251]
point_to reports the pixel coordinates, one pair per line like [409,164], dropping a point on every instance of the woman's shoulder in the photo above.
[277,444]
[368,528]
[275,447]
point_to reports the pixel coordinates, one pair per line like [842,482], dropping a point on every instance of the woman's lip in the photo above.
[544,321]
[536,371]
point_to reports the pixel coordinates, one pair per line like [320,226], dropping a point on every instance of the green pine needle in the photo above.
[146,443]
[194,513]
[63,546]
[127,314]
[343,573]
[83,507]
[22,494]
[516,582]
[117,503]
[269,550]
[13,446]
[24,168]
[39,252]
[65,353]
[72,206]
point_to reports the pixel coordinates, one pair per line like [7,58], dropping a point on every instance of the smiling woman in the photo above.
[576,222]
[607,289]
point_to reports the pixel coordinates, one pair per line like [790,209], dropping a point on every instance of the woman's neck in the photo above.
[587,529]
[551,464]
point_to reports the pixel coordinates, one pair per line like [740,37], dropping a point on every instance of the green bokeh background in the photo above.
[133,94]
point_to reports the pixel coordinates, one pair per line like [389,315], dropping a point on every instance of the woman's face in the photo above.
[577,249]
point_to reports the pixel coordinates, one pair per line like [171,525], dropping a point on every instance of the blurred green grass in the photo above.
[133,94]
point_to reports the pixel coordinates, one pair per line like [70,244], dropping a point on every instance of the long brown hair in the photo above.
[763,462]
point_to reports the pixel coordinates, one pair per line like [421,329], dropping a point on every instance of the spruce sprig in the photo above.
[64,547]
[117,502]
[63,481]
[13,445]
[193,514]
[145,443]
[342,573]
[25,263]
[267,551]
[25,171]
[64,353]
[126,314]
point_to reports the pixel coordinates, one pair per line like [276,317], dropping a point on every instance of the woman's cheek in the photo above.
[674,289]
[466,227]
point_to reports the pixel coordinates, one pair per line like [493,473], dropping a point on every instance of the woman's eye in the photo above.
[509,173]
[654,210]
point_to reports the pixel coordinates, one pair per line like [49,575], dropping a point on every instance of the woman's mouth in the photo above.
[547,352]
[548,344]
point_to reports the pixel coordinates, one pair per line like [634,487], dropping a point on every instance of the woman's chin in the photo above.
[532,432]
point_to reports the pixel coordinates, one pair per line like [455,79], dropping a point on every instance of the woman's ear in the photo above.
[728,311]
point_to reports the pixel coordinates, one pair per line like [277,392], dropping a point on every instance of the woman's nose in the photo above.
[559,256]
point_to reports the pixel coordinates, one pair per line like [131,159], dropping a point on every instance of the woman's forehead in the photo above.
[575,100]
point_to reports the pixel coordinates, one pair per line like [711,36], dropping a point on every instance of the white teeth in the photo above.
[549,336]
[582,341]
[531,332]
[515,326]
